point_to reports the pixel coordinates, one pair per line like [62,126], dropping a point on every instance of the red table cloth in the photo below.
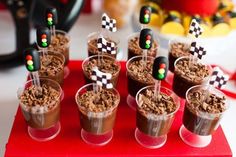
[69,143]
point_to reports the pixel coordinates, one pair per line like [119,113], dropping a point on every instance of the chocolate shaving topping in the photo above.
[162,104]
[179,49]
[197,72]
[133,46]
[98,102]
[140,72]
[212,104]
[106,66]
[39,98]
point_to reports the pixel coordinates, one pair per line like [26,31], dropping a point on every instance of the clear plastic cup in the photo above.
[198,126]
[100,64]
[43,122]
[172,58]
[62,47]
[151,129]
[134,84]
[57,46]
[97,127]
[135,50]
[92,43]
[57,73]
[181,83]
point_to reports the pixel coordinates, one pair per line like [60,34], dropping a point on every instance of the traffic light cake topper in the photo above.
[51,17]
[31,60]
[145,39]
[160,68]
[145,15]
[43,37]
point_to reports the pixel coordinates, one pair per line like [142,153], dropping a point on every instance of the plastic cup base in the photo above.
[149,141]
[192,139]
[66,72]
[44,134]
[98,140]
[131,102]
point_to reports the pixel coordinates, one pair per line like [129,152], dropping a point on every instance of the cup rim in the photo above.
[136,34]
[103,55]
[206,113]
[177,40]
[172,95]
[115,39]
[188,57]
[23,88]
[54,52]
[133,58]
[99,112]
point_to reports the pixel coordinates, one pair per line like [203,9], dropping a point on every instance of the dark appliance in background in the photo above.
[28,12]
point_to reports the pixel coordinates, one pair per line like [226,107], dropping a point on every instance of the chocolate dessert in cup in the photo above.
[97,108]
[177,48]
[92,43]
[135,50]
[52,66]
[188,74]
[154,116]
[202,115]
[105,64]
[139,75]
[40,106]
[60,40]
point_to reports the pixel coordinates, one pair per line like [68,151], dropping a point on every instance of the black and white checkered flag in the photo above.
[218,79]
[196,50]
[108,23]
[105,46]
[195,29]
[101,78]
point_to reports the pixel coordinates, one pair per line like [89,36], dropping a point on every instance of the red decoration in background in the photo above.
[192,7]
[2,7]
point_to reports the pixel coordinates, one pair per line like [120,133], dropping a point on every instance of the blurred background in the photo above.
[170,19]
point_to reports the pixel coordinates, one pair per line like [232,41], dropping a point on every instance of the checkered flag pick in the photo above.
[196,50]
[195,29]
[108,23]
[218,79]
[101,79]
[105,46]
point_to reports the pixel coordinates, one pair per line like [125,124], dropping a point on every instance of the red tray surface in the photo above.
[69,142]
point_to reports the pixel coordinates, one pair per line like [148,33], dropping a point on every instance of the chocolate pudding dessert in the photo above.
[60,44]
[97,110]
[187,75]
[93,50]
[52,66]
[138,74]
[202,114]
[41,105]
[135,50]
[155,115]
[106,64]
[177,50]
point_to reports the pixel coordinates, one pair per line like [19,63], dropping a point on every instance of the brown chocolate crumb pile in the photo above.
[197,72]
[179,49]
[106,66]
[39,99]
[58,43]
[162,104]
[133,46]
[140,72]
[212,104]
[50,65]
[98,102]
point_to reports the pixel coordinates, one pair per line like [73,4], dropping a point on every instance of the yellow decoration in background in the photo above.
[221,29]
[173,28]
